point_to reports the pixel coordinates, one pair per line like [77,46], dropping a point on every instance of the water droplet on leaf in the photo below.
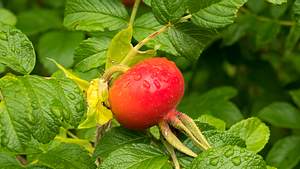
[214,161]
[236,160]
[229,153]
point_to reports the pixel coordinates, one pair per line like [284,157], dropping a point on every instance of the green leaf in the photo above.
[35,21]
[281,115]
[218,15]
[217,123]
[16,51]
[33,106]
[277,2]
[7,17]
[190,40]
[240,28]
[295,96]
[296,10]
[91,54]
[60,46]
[215,102]
[120,137]
[253,131]
[285,154]
[168,11]
[232,157]
[8,162]
[196,5]
[69,156]
[219,138]
[136,156]
[266,32]
[292,39]
[95,15]
[147,24]
[120,46]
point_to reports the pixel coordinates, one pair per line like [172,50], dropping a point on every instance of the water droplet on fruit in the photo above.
[146,84]
[137,77]
[229,153]
[157,84]
[214,161]
[236,160]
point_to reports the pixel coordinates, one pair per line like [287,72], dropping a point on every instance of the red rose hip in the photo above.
[142,96]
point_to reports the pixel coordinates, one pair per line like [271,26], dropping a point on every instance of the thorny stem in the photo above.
[173,140]
[262,18]
[172,153]
[116,68]
[134,11]
[136,48]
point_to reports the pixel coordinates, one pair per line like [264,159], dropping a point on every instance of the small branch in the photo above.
[185,18]
[135,50]
[116,68]
[72,135]
[266,19]
[172,153]
[134,11]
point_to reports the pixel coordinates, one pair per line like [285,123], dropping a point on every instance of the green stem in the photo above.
[266,19]
[134,11]
[135,49]
[72,135]
[172,153]
[116,68]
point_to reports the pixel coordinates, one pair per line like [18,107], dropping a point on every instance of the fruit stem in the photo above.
[175,122]
[191,125]
[173,140]
[172,153]
[134,11]
[116,68]
[136,48]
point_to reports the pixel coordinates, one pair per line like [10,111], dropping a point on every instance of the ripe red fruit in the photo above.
[143,96]
[128,2]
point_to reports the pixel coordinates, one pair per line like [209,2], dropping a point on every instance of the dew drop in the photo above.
[146,84]
[214,161]
[229,153]
[157,84]
[137,77]
[236,161]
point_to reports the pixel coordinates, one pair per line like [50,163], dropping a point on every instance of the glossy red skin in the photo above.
[128,2]
[142,96]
